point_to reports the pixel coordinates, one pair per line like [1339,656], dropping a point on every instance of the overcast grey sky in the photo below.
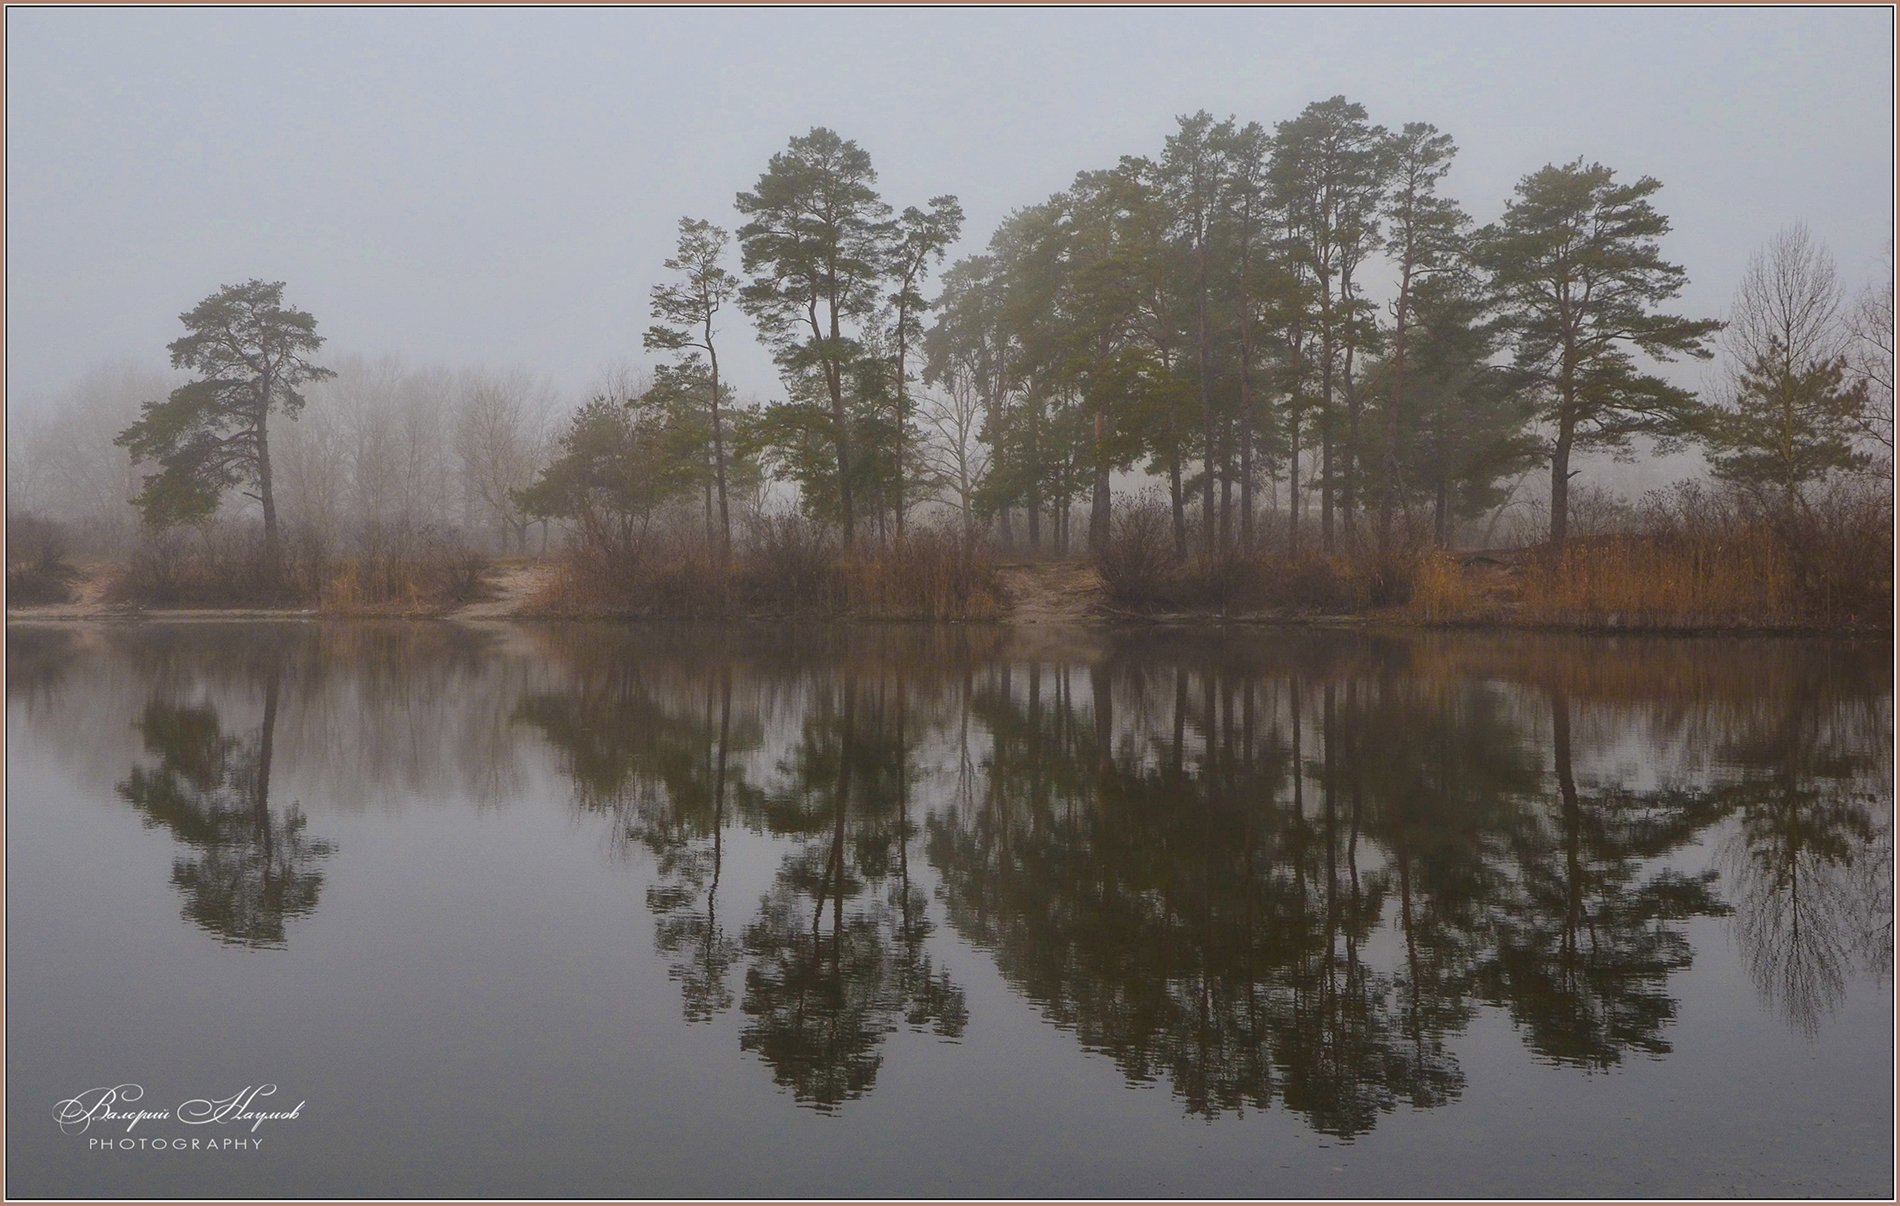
[498,187]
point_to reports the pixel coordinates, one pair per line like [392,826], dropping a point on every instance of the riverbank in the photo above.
[1032,594]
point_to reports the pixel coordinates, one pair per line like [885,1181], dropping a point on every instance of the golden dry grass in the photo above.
[1633,582]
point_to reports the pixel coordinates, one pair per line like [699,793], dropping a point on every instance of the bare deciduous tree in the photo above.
[499,443]
[1870,361]
[1791,413]
[955,462]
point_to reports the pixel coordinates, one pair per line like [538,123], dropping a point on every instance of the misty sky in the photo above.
[498,187]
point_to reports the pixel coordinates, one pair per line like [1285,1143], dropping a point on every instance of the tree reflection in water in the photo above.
[1261,872]
[1812,858]
[835,953]
[251,868]
[1189,869]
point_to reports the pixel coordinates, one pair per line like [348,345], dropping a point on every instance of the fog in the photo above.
[496,189]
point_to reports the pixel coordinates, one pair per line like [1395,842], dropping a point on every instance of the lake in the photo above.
[577,910]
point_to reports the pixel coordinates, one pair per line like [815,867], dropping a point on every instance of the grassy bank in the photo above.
[382,571]
[787,569]
[1689,563]
[1687,560]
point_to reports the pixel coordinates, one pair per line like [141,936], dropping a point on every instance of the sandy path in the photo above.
[1051,592]
[88,601]
[514,583]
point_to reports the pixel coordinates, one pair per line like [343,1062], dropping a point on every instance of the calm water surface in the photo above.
[577,910]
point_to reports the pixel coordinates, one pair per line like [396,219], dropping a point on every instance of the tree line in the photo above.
[1204,316]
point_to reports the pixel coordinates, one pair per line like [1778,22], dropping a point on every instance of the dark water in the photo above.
[577,911]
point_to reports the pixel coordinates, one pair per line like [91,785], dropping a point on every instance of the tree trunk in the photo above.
[840,428]
[1441,513]
[1388,495]
[903,403]
[273,562]
[1205,351]
[1325,483]
[1293,482]
[1099,498]
[719,450]
[1245,320]
[1326,419]
[1560,486]
[1349,472]
[1226,495]
[1177,504]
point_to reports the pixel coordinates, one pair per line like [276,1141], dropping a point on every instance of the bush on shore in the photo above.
[785,566]
[37,569]
[392,569]
[1140,572]
[1690,557]
[1696,557]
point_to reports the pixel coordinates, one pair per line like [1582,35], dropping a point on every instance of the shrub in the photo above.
[932,574]
[37,569]
[1441,591]
[221,565]
[387,569]
[1137,562]
[788,565]
[404,569]
[1698,556]
[1314,582]
[791,565]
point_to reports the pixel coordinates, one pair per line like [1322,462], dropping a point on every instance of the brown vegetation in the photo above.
[388,570]
[37,569]
[1702,558]
[788,566]
[1694,557]
[1140,573]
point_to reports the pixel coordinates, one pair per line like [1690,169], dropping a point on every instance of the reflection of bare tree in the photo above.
[1258,873]
[250,868]
[1811,863]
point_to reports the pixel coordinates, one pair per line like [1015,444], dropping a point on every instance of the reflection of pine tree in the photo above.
[1134,893]
[250,867]
[819,1001]
[1296,881]
[1448,776]
[1584,941]
[653,747]
[1194,890]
